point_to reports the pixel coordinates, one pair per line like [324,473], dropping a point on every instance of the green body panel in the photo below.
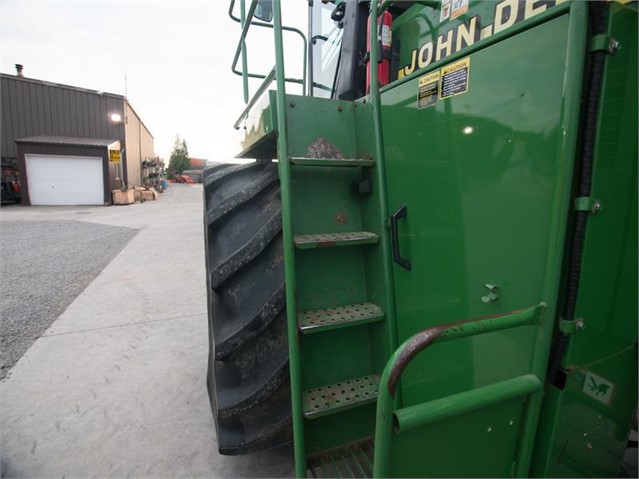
[589,437]
[426,37]
[580,436]
[608,302]
[260,128]
[486,177]
[479,205]
[492,438]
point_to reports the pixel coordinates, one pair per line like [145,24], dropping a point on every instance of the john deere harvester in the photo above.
[430,267]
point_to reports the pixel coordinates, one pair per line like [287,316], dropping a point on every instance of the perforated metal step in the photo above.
[332,161]
[354,460]
[331,240]
[340,317]
[332,398]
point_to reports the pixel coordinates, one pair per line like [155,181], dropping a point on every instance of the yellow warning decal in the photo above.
[454,78]
[428,90]
[448,81]
[114,156]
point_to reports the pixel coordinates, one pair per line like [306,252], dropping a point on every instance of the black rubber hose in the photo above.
[584,188]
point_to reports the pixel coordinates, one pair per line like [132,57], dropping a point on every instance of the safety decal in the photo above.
[428,90]
[598,388]
[455,78]
[448,81]
[445,12]
[458,8]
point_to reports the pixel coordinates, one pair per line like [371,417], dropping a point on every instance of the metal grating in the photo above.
[328,240]
[332,162]
[340,317]
[355,460]
[324,400]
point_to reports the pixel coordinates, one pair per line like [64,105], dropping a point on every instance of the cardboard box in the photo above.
[148,195]
[123,197]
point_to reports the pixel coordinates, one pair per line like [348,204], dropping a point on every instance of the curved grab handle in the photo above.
[387,419]
[397,257]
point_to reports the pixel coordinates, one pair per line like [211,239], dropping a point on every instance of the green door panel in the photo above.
[478,173]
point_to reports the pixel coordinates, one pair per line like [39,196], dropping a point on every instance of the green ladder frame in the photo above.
[296,324]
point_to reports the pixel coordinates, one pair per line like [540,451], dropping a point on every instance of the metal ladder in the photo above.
[351,395]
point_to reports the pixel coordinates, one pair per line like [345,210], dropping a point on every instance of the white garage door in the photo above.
[65,180]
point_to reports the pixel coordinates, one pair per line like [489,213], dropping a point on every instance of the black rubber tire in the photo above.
[247,377]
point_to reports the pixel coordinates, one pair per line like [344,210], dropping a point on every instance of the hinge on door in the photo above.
[604,43]
[570,327]
[587,203]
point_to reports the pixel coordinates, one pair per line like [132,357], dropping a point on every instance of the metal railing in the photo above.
[390,421]
[246,20]
[258,93]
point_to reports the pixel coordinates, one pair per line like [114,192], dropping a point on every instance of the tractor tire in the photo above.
[247,379]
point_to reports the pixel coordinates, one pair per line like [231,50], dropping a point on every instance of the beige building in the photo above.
[139,145]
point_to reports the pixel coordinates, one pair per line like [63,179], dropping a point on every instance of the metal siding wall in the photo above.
[93,119]
[6,128]
[31,108]
[133,160]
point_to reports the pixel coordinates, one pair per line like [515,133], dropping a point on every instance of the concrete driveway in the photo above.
[115,387]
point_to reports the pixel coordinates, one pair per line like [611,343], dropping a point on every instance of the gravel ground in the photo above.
[44,267]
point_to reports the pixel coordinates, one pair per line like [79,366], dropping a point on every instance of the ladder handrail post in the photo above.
[289,247]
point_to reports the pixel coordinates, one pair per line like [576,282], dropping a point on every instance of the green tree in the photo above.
[179,159]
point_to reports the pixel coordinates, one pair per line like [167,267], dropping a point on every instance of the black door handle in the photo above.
[403,262]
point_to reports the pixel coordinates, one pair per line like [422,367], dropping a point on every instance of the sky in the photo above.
[175,55]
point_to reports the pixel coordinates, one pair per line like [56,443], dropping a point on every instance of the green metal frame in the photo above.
[289,245]
[260,91]
[246,20]
[288,236]
[390,420]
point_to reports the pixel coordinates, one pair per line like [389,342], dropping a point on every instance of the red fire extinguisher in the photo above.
[384,40]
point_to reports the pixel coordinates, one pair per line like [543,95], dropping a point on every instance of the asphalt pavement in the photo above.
[115,387]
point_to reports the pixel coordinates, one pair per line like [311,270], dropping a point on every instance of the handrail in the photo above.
[423,414]
[314,38]
[445,332]
[422,341]
[284,168]
[385,5]
[261,89]
[246,23]
[245,80]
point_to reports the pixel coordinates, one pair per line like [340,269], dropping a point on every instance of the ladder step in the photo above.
[340,317]
[333,398]
[351,460]
[332,161]
[329,240]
